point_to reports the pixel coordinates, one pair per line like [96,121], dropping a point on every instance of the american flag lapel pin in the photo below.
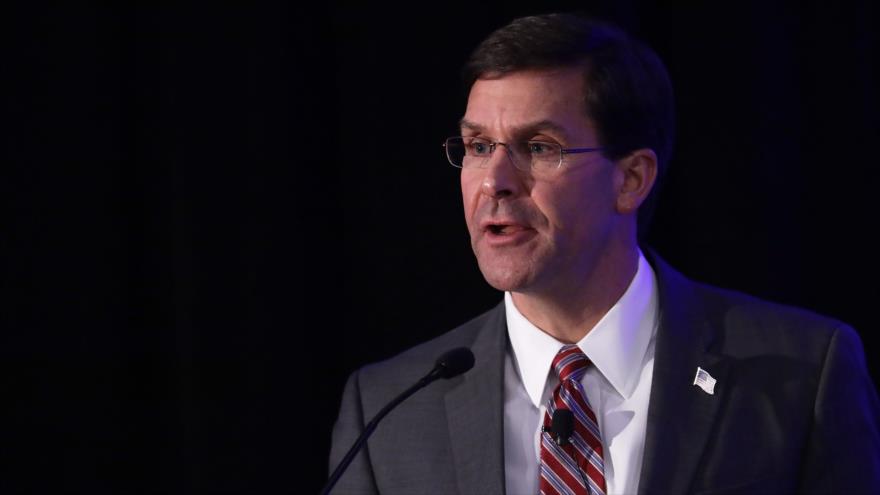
[705,381]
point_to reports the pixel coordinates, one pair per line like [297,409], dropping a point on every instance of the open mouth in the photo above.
[501,229]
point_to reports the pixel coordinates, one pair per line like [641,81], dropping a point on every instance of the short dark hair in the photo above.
[628,94]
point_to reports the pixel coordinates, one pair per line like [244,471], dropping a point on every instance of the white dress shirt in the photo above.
[621,347]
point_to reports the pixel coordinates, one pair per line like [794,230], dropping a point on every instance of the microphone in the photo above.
[450,364]
[561,429]
[562,426]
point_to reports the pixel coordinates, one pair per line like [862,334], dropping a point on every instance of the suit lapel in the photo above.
[474,409]
[680,415]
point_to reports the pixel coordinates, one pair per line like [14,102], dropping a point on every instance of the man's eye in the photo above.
[537,148]
[478,148]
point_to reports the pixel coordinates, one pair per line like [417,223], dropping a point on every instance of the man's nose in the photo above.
[502,178]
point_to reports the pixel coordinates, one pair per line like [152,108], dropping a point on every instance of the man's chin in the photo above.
[506,278]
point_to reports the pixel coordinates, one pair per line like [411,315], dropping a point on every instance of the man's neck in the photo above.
[570,314]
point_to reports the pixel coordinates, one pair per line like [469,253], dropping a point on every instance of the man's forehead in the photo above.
[523,128]
[528,101]
[531,83]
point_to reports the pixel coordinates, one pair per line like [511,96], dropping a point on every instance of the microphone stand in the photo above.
[368,430]
[452,363]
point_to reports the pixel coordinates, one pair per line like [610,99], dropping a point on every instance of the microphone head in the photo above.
[562,425]
[454,362]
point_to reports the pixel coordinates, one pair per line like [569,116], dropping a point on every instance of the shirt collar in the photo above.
[616,345]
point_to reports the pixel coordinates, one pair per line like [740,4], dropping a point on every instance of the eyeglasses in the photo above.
[528,156]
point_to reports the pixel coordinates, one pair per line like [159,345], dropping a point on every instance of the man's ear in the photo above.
[637,173]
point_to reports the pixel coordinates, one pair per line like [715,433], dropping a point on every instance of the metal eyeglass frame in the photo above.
[494,144]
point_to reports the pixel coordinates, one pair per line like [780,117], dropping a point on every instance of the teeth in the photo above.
[500,229]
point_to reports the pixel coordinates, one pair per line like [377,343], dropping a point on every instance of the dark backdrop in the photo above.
[200,204]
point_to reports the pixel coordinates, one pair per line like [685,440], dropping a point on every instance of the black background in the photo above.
[204,232]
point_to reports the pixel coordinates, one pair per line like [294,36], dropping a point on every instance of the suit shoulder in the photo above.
[751,324]
[746,305]
[416,361]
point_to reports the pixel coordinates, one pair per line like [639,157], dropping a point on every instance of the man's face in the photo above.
[538,233]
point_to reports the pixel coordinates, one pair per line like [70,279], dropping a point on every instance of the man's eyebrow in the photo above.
[530,128]
[466,124]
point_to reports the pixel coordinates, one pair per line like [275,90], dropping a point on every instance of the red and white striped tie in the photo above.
[577,467]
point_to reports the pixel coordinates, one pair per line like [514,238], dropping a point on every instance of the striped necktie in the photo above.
[576,467]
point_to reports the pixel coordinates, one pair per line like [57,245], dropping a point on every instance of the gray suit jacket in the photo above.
[794,409]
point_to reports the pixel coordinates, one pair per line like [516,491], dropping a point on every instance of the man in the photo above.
[666,385]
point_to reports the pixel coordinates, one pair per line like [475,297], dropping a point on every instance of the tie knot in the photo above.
[570,363]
